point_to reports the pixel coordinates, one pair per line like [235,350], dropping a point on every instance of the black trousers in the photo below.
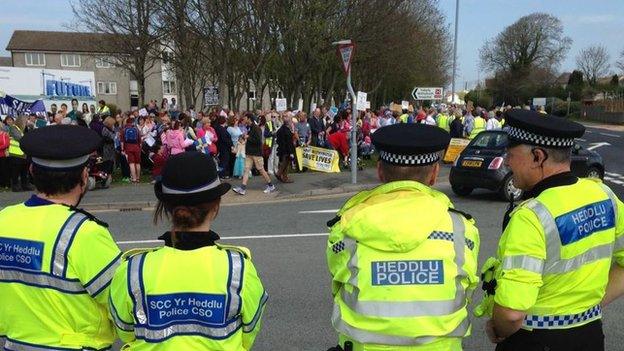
[588,337]
[5,172]
[19,171]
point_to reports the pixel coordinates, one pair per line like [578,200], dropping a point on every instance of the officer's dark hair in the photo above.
[55,182]
[393,173]
[186,217]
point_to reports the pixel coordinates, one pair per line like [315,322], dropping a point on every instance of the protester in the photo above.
[17,159]
[175,140]
[131,148]
[108,146]
[235,133]
[239,162]
[316,126]
[456,128]
[285,148]
[159,158]
[5,140]
[224,147]
[253,156]
[492,123]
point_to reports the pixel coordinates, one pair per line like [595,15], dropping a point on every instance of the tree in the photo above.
[594,63]
[576,85]
[130,38]
[524,56]
[620,63]
[615,80]
[535,40]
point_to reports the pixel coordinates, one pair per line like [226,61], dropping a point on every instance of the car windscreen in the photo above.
[485,140]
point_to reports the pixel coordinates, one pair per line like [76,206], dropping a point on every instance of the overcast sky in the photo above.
[587,22]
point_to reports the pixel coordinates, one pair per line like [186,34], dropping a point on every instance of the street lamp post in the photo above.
[346,57]
[455,52]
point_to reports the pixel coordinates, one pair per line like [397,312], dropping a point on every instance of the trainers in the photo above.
[239,190]
[269,189]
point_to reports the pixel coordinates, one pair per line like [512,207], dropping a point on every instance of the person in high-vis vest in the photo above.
[17,159]
[442,120]
[403,261]
[56,261]
[479,126]
[193,293]
[557,247]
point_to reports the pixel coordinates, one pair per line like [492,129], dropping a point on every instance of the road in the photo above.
[610,145]
[287,240]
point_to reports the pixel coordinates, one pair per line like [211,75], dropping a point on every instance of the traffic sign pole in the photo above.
[346,50]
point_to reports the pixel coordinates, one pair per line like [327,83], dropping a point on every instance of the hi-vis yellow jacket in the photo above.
[404,266]
[556,253]
[55,269]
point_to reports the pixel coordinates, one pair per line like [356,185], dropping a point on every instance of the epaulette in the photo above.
[136,251]
[243,250]
[89,216]
[333,221]
[467,215]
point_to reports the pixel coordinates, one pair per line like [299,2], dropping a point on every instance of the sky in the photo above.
[587,22]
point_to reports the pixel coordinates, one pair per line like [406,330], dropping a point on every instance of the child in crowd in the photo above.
[239,164]
[158,158]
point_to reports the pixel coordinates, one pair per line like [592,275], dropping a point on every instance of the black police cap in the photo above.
[539,129]
[190,178]
[410,144]
[60,147]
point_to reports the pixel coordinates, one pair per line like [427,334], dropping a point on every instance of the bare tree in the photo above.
[130,39]
[534,41]
[593,62]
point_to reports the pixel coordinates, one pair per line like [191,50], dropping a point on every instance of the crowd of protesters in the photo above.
[243,144]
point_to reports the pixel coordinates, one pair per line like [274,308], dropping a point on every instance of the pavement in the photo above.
[127,197]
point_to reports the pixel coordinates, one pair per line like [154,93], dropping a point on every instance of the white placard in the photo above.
[361,101]
[539,101]
[404,105]
[368,105]
[143,112]
[280,104]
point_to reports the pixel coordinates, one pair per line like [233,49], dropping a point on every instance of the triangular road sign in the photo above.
[346,51]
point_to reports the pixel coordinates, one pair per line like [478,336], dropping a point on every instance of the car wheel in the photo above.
[508,191]
[461,190]
[594,172]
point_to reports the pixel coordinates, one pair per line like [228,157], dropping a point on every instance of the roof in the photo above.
[6,62]
[564,78]
[50,41]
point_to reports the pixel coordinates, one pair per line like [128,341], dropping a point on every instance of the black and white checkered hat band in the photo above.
[536,139]
[410,160]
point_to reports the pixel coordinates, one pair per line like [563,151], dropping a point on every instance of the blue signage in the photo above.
[59,88]
[14,107]
[407,272]
[585,221]
[186,308]
[19,253]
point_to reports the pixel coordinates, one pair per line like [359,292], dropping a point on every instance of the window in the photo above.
[103,62]
[107,88]
[169,87]
[70,60]
[166,57]
[35,59]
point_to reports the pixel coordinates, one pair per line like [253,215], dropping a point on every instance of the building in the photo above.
[71,51]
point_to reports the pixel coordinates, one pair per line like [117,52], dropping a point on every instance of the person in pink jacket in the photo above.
[176,140]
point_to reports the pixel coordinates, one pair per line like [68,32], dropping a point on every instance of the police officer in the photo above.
[56,261]
[193,293]
[403,262]
[558,246]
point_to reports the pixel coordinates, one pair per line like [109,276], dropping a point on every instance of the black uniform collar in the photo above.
[190,240]
[559,179]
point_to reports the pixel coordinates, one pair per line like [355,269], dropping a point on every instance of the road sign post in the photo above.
[346,49]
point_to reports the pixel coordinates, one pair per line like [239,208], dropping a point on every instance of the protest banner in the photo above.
[211,95]
[361,101]
[10,106]
[280,105]
[456,146]
[318,159]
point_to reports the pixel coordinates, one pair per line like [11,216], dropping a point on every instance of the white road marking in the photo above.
[614,175]
[597,145]
[611,135]
[581,139]
[614,180]
[302,235]
[318,211]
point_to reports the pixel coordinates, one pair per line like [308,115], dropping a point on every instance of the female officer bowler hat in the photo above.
[190,178]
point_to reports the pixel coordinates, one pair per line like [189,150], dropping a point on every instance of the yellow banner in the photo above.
[455,148]
[318,159]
